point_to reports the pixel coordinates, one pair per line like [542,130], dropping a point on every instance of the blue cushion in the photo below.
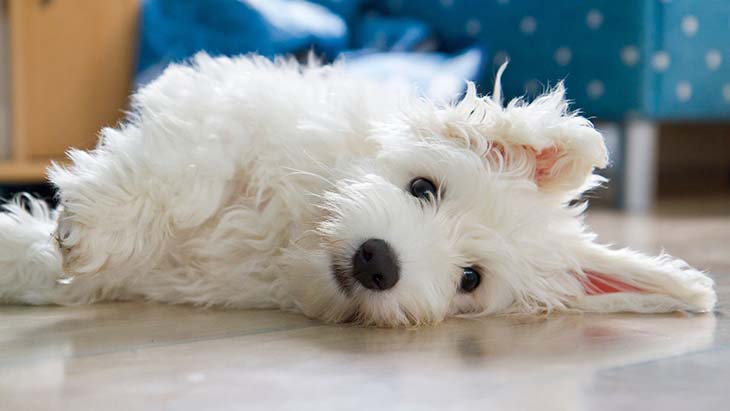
[173,30]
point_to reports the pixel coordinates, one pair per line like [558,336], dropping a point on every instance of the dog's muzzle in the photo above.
[375,265]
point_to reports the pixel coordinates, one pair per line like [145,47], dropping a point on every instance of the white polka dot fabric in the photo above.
[658,58]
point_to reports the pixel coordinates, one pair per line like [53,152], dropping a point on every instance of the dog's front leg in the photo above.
[624,280]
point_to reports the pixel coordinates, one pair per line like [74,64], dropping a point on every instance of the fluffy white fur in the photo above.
[242,182]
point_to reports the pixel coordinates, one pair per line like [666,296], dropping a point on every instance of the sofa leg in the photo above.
[638,188]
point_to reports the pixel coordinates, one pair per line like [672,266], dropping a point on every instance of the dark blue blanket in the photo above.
[360,31]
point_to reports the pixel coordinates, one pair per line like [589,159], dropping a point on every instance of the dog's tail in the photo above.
[30,260]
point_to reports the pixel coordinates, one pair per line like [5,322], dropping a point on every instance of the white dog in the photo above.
[256,184]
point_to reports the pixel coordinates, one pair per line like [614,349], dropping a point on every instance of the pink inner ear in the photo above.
[602,284]
[544,162]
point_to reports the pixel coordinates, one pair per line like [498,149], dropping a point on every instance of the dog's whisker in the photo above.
[295,172]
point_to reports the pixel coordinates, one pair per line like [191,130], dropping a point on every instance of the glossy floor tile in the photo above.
[129,356]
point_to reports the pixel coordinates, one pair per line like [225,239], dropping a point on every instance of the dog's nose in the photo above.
[375,266]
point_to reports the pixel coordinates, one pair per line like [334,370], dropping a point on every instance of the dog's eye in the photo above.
[470,280]
[423,188]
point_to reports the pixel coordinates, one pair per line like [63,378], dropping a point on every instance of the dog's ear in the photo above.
[624,280]
[541,140]
[565,165]
[565,145]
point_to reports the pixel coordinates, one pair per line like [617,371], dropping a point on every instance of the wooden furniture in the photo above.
[71,67]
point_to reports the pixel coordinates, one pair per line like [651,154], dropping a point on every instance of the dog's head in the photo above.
[463,210]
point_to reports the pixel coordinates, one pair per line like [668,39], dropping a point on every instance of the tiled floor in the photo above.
[144,356]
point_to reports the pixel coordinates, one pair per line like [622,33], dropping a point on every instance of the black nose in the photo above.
[374,265]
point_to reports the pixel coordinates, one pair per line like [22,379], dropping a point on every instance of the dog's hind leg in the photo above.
[159,176]
[31,269]
[123,202]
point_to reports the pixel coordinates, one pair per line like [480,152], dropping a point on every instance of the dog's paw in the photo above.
[76,244]
[89,249]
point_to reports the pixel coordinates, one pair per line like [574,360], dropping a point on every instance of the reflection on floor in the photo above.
[147,356]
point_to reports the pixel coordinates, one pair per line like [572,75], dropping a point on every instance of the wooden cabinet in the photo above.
[71,65]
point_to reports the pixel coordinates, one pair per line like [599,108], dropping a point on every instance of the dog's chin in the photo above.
[368,308]
[359,310]
[357,313]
